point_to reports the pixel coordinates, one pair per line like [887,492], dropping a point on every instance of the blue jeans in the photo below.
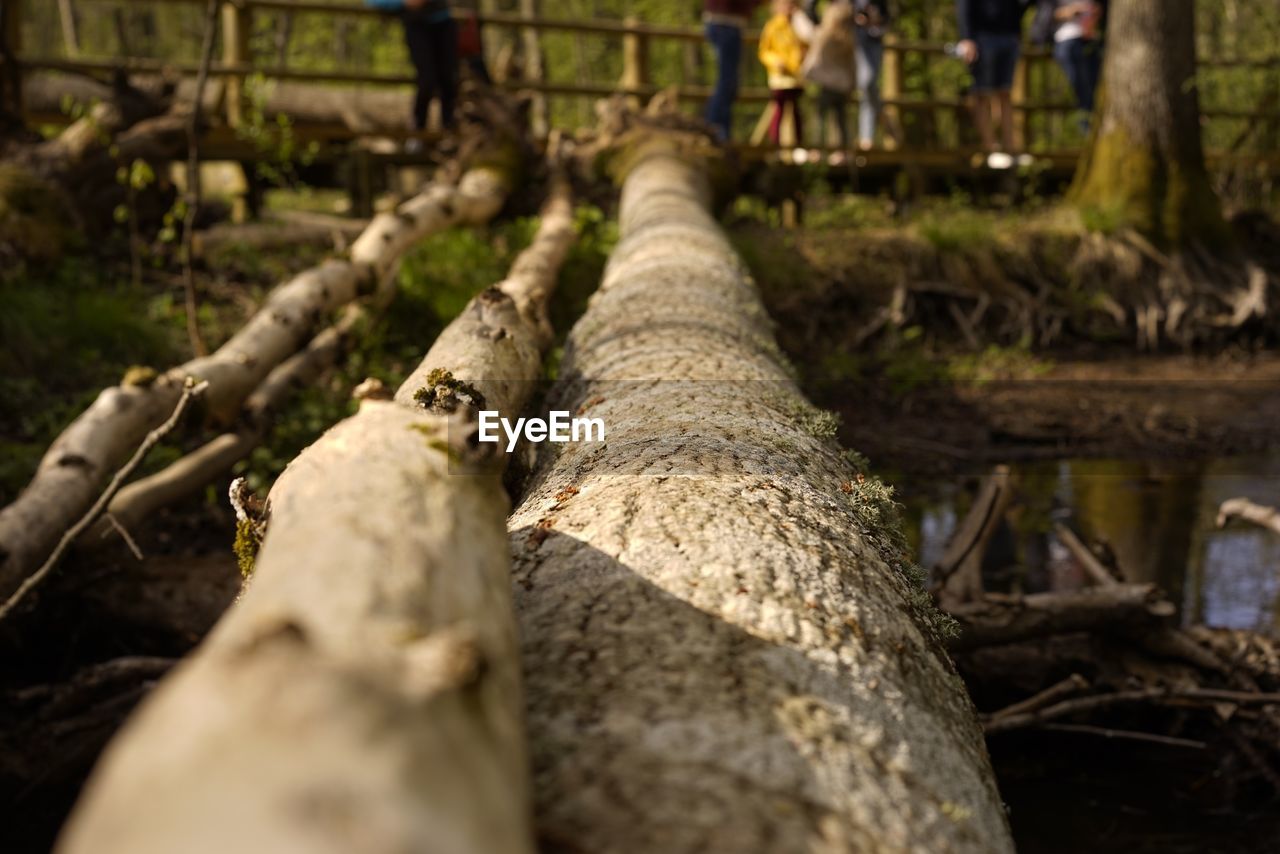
[997,59]
[1081,60]
[726,40]
[869,56]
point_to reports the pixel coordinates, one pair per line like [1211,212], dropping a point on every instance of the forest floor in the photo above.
[1091,426]
[926,397]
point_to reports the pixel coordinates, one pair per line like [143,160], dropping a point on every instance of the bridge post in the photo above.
[1018,99]
[10,68]
[534,71]
[635,56]
[891,91]
[237,25]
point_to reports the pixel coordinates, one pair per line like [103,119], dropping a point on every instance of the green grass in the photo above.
[437,280]
[64,334]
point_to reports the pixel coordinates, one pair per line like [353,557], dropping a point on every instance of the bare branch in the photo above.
[190,391]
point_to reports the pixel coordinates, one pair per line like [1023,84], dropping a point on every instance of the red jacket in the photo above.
[742,8]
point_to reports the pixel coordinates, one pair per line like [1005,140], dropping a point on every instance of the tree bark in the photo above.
[1145,165]
[364,693]
[74,468]
[722,650]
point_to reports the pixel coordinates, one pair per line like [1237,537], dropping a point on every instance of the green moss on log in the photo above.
[505,157]
[445,393]
[139,376]
[248,541]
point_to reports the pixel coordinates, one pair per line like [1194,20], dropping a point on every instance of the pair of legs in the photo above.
[869,57]
[833,104]
[992,81]
[726,41]
[433,48]
[786,126]
[1081,61]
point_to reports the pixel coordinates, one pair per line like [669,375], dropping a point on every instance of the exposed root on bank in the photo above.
[1111,661]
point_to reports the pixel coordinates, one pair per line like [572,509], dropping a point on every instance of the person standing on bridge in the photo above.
[990,42]
[431,35]
[782,51]
[725,20]
[1074,27]
[850,38]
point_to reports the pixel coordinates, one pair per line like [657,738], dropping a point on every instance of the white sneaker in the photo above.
[999,160]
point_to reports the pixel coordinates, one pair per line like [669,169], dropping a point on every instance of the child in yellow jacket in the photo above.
[782,53]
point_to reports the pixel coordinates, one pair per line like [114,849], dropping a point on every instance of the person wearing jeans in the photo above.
[847,51]
[725,20]
[1075,28]
[431,35]
[870,18]
[990,42]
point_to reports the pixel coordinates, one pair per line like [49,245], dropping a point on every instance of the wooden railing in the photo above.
[912,119]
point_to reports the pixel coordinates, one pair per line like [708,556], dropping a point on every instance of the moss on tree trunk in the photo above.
[1145,165]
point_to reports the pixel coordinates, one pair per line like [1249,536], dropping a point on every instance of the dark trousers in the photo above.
[726,41]
[433,48]
[1081,60]
[833,105]
[785,101]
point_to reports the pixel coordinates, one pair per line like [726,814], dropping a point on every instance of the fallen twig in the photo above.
[1076,705]
[190,391]
[1088,561]
[1129,735]
[1073,684]
[1246,510]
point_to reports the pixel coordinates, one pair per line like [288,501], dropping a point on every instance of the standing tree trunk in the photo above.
[1145,165]
[723,647]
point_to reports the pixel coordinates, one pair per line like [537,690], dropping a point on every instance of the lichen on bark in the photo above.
[725,643]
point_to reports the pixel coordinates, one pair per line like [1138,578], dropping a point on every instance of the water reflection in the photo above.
[1155,517]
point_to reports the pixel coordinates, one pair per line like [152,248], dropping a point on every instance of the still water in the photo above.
[1157,518]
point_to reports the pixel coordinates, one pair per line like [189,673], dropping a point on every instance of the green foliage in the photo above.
[272,137]
[437,280]
[1102,219]
[63,337]
[846,211]
[958,228]
[33,217]
[997,363]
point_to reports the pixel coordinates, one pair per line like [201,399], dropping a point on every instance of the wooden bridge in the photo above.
[925,129]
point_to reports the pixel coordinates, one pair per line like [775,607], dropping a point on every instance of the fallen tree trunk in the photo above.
[723,648]
[360,110]
[996,620]
[525,293]
[75,466]
[364,693]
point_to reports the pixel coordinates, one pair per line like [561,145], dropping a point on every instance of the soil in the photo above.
[1123,406]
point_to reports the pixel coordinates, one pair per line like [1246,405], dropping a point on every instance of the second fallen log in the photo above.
[364,694]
